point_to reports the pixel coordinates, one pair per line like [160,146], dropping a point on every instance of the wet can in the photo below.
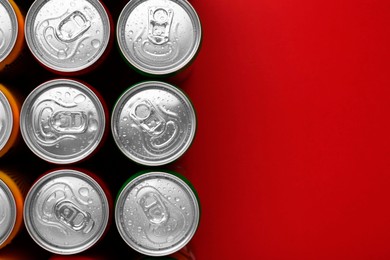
[153,123]
[67,211]
[63,121]
[157,213]
[12,192]
[159,37]
[9,120]
[11,35]
[68,37]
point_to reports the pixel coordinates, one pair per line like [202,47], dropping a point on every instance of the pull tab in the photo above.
[72,27]
[73,217]
[153,208]
[160,20]
[66,122]
[147,117]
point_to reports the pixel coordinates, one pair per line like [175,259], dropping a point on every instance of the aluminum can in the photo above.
[159,37]
[11,34]
[66,211]
[12,193]
[157,213]
[68,36]
[9,120]
[63,121]
[153,123]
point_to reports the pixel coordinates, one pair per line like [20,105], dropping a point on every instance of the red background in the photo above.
[291,159]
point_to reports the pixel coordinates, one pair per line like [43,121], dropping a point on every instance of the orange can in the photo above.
[11,44]
[9,120]
[12,192]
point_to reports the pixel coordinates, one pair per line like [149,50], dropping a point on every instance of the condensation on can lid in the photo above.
[7,212]
[8,29]
[157,213]
[6,120]
[153,123]
[67,35]
[159,37]
[66,212]
[62,121]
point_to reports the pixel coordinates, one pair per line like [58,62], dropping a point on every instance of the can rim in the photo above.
[12,201]
[14,20]
[190,10]
[7,106]
[30,198]
[118,108]
[25,109]
[172,177]
[30,17]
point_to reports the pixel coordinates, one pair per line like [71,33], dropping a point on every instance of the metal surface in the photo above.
[8,29]
[6,120]
[67,35]
[66,212]
[7,212]
[157,213]
[153,123]
[62,121]
[159,37]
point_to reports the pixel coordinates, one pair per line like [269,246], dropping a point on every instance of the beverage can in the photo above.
[153,123]
[68,36]
[157,213]
[66,211]
[63,121]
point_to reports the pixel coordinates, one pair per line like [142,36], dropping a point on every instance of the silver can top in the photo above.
[157,213]
[62,121]
[66,212]
[153,123]
[67,35]
[8,29]
[7,212]
[159,37]
[6,120]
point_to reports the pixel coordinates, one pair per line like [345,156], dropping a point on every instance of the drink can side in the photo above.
[18,187]
[14,105]
[163,233]
[18,48]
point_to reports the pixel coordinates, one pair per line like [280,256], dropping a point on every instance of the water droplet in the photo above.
[81,46]
[177,199]
[93,125]
[95,43]
[45,23]
[49,37]
[97,31]
[72,4]
[61,54]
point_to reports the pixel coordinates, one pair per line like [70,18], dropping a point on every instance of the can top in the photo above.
[157,213]
[7,212]
[67,35]
[62,121]
[153,123]
[6,120]
[159,37]
[66,212]
[8,29]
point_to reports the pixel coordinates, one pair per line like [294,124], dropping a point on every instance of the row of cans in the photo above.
[156,37]
[63,121]
[67,211]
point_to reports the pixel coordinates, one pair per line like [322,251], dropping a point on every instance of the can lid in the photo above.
[153,123]
[62,121]
[7,212]
[157,213]
[159,37]
[6,120]
[66,212]
[8,29]
[67,35]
